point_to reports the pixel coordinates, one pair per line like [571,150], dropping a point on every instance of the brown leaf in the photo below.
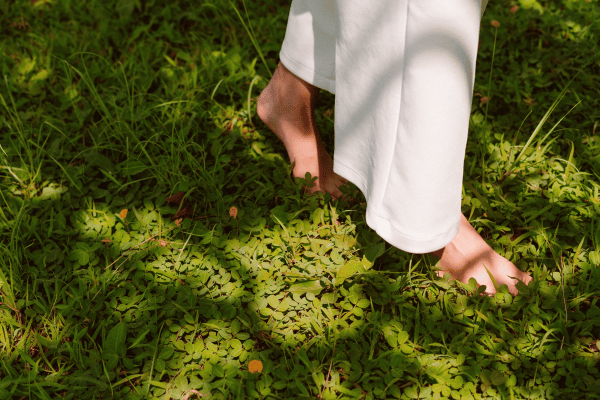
[176,198]
[186,212]
[255,366]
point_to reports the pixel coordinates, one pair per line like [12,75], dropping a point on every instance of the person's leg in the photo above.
[287,106]
[404,82]
[288,102]
[368,115]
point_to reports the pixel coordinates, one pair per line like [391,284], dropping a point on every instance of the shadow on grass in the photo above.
[154,324]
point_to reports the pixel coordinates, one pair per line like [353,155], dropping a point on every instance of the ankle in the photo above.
[286,88]
[294,84]
[438,253]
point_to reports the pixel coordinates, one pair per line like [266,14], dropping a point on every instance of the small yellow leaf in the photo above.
[255,366]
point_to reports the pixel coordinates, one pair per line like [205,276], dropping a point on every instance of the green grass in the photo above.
[112,105]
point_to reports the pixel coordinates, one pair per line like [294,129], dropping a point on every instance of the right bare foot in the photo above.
[468,256]
[287,106]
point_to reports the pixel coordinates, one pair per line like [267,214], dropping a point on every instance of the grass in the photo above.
[117,105]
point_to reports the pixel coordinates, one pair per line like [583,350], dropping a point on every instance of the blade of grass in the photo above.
[9,168]
[60,166]
[487,104]
[150,381]
[484,202]
[570,162]
[576,256]
[248,104]
[493,279]
[542,122]
[251,34]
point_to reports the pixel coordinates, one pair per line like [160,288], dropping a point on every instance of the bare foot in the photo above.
[287,106]
[468,255]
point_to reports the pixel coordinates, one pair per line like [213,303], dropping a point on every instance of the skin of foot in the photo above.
[468,255]
[287,107]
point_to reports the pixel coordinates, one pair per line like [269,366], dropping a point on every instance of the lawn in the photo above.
[109,109]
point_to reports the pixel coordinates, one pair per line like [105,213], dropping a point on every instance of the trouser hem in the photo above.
[395,235]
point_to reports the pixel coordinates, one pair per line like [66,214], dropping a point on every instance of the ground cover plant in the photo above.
[154,245]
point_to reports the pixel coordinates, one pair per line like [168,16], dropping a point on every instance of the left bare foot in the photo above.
[287,106]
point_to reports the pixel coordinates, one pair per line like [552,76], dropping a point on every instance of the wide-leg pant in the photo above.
[403,74]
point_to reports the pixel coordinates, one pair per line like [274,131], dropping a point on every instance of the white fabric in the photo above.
[403,74]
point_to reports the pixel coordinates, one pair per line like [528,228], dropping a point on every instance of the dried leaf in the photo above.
[255,366]
[186,212]
[176,198]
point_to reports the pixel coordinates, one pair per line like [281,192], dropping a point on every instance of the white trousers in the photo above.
[403,74]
